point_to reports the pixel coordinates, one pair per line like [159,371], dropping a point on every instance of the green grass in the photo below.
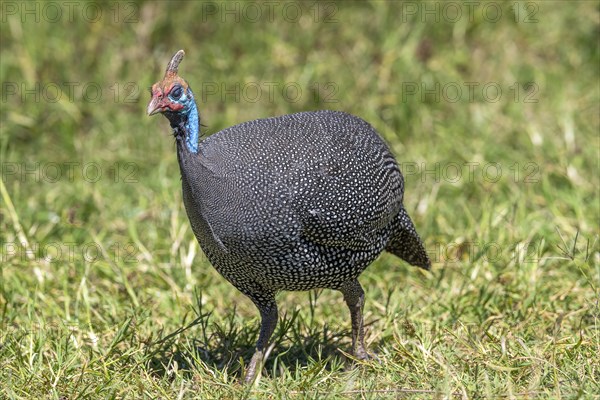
[111,297]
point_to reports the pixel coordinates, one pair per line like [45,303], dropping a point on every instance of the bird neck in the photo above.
[186,127]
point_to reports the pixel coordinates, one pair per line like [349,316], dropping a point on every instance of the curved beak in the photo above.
[156,105]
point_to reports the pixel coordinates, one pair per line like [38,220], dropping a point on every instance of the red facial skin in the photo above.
[160,100]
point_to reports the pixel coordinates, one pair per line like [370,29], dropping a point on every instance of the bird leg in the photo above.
[354,296]
[268,315]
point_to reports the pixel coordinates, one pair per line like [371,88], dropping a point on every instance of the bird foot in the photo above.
[255,365]
[362,355]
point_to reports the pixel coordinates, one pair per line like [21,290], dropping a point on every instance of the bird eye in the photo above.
[176,92]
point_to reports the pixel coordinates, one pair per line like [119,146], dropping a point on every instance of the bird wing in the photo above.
[351,210]
[354,187]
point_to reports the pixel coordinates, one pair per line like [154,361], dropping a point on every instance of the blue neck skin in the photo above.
[186,122]
[192,127]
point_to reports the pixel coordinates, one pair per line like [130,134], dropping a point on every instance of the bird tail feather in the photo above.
[406,243]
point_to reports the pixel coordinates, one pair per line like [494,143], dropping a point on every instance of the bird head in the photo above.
[172,95]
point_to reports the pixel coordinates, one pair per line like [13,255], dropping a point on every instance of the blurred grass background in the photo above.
[99,266]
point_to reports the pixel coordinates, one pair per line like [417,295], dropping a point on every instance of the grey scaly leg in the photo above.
[354,296]
[268,315]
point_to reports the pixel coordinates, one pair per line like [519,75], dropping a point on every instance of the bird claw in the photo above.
[362,355]
[255,365]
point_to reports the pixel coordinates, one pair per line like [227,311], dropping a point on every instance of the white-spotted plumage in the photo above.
[295,202]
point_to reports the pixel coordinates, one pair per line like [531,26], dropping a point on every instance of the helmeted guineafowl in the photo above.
[294,202]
